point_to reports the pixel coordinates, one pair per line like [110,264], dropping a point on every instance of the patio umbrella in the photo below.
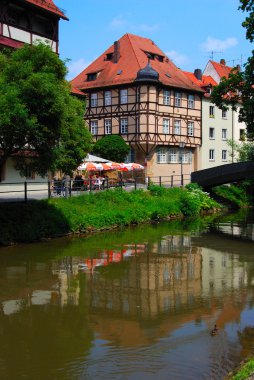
[114,165]
[90,166]
[131,166]
[95,166]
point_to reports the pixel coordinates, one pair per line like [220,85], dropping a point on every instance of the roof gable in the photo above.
[133,56]
[221,69]
[206,80]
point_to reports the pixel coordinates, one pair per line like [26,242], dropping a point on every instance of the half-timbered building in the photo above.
[26,21]
[134,90]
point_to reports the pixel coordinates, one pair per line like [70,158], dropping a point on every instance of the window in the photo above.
[224,114]
[91,76]
[191,101]
[211,154]
[224,134]
[178,99]
[124,96]
[224,155]
[162,155]
[172,155]
[165,126]
[211,111]
[190,127]
[94,100]
[124,125]
[109,56]
[184,157]
[94,127]
[211,133]
[130,156]
[166,97]
[107,98]
[108,127]
[177,127]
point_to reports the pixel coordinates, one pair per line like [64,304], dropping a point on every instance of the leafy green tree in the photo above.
[41,123]
[112,147]
[239,86]
[243,151]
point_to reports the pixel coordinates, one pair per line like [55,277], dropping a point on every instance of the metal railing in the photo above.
[31,190]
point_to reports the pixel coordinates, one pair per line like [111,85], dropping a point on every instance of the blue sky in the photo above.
[188,31]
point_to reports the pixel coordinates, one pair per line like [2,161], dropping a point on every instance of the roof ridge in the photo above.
[133,50]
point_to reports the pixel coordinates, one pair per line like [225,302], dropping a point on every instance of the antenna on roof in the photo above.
[237,60]
[214,52]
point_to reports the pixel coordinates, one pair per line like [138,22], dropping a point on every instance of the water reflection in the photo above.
[127,305]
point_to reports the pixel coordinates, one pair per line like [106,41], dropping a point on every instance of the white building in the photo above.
[217,126]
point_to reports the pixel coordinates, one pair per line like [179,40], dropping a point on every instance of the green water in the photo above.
[132,304]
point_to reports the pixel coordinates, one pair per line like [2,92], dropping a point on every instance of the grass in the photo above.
[245,371]
[97,211]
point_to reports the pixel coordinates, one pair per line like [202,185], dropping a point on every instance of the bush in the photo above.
[97,211]
[234,194]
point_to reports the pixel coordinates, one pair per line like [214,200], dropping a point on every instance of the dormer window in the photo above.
[160,58]
[109,57]
[91,76]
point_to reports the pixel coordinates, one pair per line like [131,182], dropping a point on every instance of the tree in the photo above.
[112,147]
[41,123]
[239,86]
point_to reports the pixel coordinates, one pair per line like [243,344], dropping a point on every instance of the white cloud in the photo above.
[75,67]
[177,58]
[148,28]
[118,22]
[213,44]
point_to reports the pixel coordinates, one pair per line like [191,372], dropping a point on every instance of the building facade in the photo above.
[218,127]
[135,91]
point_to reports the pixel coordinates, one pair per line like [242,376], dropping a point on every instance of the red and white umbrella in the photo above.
[95,166]
[131,166]
[114,165]
[90,166]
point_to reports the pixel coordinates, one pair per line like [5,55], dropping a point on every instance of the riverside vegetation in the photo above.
[37,220]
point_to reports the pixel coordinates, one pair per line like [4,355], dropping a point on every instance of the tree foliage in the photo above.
[41,123]
[112,147]
[239,86]
[243,151]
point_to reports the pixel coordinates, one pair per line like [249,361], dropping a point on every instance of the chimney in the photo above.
[198,74]
[223,62]
[238,68]
[116,51]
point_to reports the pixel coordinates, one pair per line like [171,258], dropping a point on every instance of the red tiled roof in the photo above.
[132,59]
[206,80]
[49,6]
[76,91]
[222,70]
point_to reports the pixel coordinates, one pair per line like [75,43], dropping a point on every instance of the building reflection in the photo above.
[139,280]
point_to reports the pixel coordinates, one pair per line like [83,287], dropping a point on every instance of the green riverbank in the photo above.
[38,220]
[244,372]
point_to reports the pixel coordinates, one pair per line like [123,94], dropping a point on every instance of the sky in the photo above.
[189,32]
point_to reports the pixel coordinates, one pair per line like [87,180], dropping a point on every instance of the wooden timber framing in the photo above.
[145,112]
[23,22]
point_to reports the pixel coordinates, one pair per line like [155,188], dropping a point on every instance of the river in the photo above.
[133,304]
